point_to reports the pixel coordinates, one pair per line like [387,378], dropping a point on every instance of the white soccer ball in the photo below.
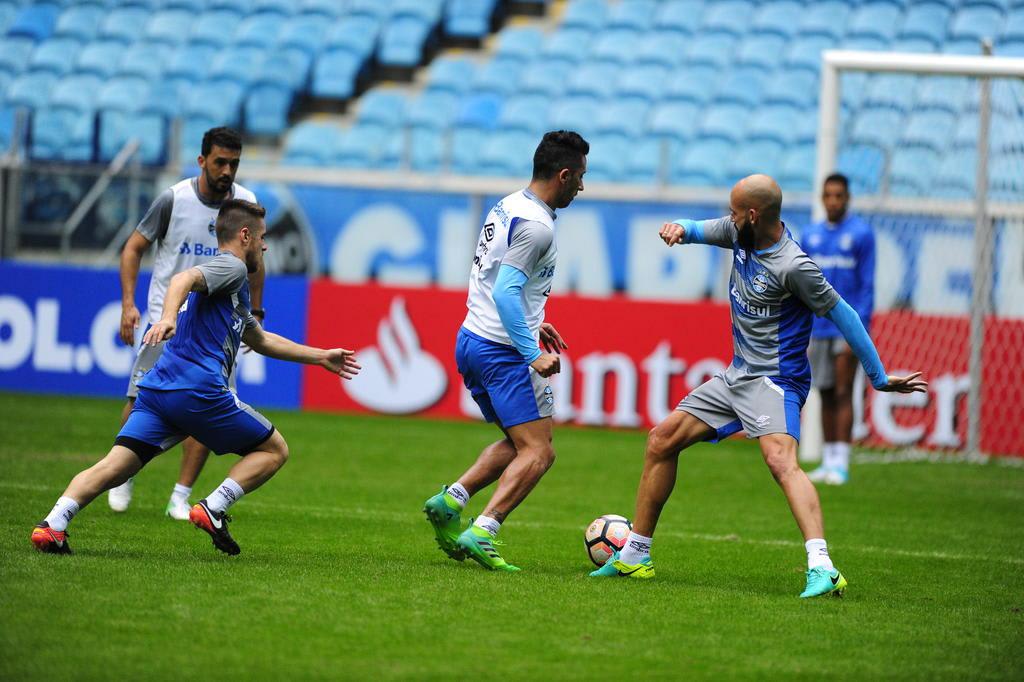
[605,536]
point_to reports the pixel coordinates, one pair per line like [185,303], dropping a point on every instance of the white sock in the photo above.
[181,492]
[226,494]
[458,493]
[841,456]
[62,513]
[636,549]
[817,554]
[490,525]
[828,456]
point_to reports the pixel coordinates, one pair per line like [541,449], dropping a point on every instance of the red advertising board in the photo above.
[629,362]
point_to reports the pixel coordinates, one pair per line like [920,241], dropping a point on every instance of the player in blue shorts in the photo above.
[206,316]
[498,354]
[774,291]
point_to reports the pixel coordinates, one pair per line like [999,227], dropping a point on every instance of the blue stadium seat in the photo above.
[692,85]
[169,26]
[779,18]
[123,24]
[369,8]
[724,122]
[675,119]
[588,15]
[965,136]
[266,108]
[381,107]
[15,53]
[1006,134]
[647,81]
[7,117]
[727,16]
[701,164]
[144,60]
[287,66]
[914,45]
[549,80]
[357,34]
[864,166]
[798,88]
[101,57]
[665,48]
[926,21]
[434,109]
[519,42]
[824,19]
[328,8]
[895,91]
[210,27]
[568,43]
[507,153]
[1006,179]
[426,149]
[469,18]
[805,53]
[956,175]
[35,21]
[764,156]
[479,111]
[872,43]
[8,10]
[1013,29]
[644,160]
[741,86]
[616,45]
[760,50]
[306,32]
[796,173]
[929,129]
[81,22]
[635,15]
[595,78]
[241,64]
[623,116]
[497,75]
[403,42]
[679,15]
[877,127]
[910,171]
[465,147]
[117,127]
[336,73]
[875,19]
[976,23]
[226,93]
[122,94]
[190,61]
[451,74]
[712,49]
[964,46]
[943,93]
[776,122]
[258,30]
[56,54]
[574,113]
[77,92]
[310,144]
[194,6]
[284,7]
[30,90]
[62,134]
[430,11]
[607,159]
[528,113]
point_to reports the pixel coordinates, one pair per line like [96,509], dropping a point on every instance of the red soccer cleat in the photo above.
[49,540]
[216,524]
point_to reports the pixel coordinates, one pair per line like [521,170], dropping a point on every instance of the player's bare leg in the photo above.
[193,457]
[248,474]
[489,466]
[120,496]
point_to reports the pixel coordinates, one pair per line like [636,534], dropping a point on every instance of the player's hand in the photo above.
[550,339]
[672,233]
[341,362]
[129,323]
[547,364]
[907,384]
[161,331]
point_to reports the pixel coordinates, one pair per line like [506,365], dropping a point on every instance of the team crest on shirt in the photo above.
[212,227]
[760,282]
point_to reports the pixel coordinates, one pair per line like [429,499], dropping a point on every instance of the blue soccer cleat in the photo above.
[613,568]
[821,581]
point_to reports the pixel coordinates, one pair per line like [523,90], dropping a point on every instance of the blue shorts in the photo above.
[507,390]
[218,420]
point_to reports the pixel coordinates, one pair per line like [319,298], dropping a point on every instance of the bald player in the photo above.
[773,291]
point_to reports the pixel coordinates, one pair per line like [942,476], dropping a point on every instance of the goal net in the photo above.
[934,148]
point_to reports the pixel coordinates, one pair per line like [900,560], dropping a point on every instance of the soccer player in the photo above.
[498,355]
[181,223]
[843,246]
[206,316]
[774,288]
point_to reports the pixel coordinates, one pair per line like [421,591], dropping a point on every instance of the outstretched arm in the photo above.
[335,360]
[849,323]
[718,232]
[182,284]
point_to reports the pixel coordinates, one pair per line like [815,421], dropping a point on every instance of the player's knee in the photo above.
[541,457]
[781,462]
[660,446]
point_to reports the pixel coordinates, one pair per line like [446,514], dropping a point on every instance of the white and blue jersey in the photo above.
[186,392]
[845,252]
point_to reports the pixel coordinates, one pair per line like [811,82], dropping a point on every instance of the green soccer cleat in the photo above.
[478,545]
[443,515]
[821,581]
[613,568]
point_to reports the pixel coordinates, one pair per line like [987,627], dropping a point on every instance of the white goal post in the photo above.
[980,209]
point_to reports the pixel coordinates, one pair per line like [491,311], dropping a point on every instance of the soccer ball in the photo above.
[605,536]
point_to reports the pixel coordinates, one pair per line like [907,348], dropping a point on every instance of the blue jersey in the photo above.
[845,252]
[210,327]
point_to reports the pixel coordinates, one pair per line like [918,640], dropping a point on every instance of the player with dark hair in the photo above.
[774,291]
[206,316]
[181,223]
[843,246]
[498,354]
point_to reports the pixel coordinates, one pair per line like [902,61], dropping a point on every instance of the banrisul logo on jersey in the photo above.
[197,249]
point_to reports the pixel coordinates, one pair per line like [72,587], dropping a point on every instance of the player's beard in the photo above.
[745,236]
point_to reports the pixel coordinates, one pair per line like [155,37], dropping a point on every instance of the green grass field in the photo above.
[339,576]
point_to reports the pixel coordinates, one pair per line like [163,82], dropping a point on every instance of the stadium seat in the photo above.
[895,91]
[310,144]
[606,161]
[404,41]
[549,80]
[336,73]
[451,74]
[726,16]
[928,129]
[226,93]
[674,119]
[56,54]
[508,153]
[35,21]
[569,44]
[692,85]
[617,45]
[62,134]
[328,8]
[369,8]
[306,32]
[30,90]
[779,18]
[284,7]
[701,164]
[877,127]
[497,75]
[190,61]
[760,50]
[927,21]
[8,10]
[465,147]
[679,15]
[100,57]
[796,174]
[117,128]
[943,93]
[357,34]
[242,64]
[711,49]
[663,48]
[764,156]
[776,122]
[381,107]
[1013,29]
[911,170]
[123,24]
[864,166]
[588,15]
[875,19]
[574,113]
[913,45]
[965,136]
[80,22]
[723,122]
[211,28]
[7,117]
[1006,179]
[266,108]
[433,109]
[426,149]
[644,160]
[258,30]
[956,175]
[15,53]
[469,18]
[170,26]
[805,53]
[634,15]
[798,88]
[741,86]
[122,94]
[430,11]
[623,116]
[594,78]
[646,81]
[865,43]
[77,92]
[976,23]
[519,42]
[824,19]
[528,113]
[479,111]
[144,60]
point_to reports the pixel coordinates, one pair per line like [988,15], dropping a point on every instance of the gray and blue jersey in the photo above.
[773,295]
